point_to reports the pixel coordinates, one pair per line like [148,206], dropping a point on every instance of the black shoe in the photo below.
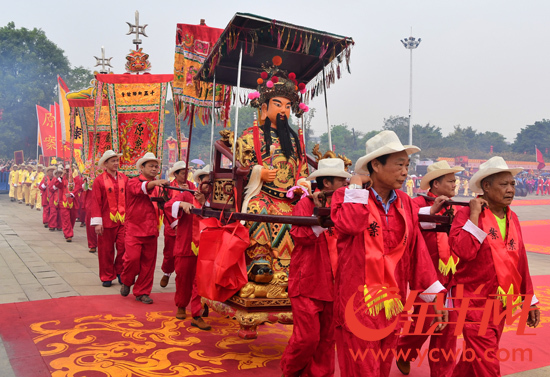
[145,299]
[124,290]
[107,284]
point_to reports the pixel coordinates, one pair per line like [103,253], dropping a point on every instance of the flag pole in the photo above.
[56,142]
[37,133]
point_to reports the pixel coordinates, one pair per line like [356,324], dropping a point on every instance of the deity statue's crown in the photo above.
[275,82]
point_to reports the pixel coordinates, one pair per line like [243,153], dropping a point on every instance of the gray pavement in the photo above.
[36,264]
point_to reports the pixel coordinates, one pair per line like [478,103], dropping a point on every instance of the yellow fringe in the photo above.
[195,249]
[504,298]
[449,267]
[117,217]
[392,306]
[161,218]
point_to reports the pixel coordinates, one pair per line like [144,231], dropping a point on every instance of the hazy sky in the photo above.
[484,64]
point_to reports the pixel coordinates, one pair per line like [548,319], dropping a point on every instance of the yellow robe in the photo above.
[13,179]
[36,197]
[20,179]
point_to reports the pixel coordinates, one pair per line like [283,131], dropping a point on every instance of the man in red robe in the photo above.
[486,236]
[310,350]
[186,249]
[540,185]
[54,222]
[108,208]
[87,200]
[43,187]
[380,252]
[69,189]
[143,221]
[440,181]
[179,173]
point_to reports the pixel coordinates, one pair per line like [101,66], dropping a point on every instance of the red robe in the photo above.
[87,203]
[351,218]
[310,350]
[170,234]
[142,229]
[43,186]
[447,339]
[69,205]
[53,200]
[476,267]
[110,264]
[187,234]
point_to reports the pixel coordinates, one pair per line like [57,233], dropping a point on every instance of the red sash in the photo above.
[116,201]
[505,255]
[380,267]
[447,260]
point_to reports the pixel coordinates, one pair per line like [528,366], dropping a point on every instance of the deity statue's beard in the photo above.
[285,132]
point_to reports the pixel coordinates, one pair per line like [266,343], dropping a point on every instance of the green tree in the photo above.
[78,78]
[399,125]
[346,141]
[535,134]
[29,65]
[461,138]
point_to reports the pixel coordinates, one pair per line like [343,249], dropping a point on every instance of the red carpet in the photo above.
[535,236]
[111,336]
[538,343]
[530,202]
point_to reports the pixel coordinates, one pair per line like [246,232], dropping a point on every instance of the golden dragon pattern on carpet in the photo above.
[158,345]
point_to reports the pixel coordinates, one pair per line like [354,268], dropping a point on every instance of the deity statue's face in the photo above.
[277,105]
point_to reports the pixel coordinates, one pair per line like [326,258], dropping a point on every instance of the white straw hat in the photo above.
[51,167]
[149,156]
[386,142]
[177,166]
[107,155]
[492,166]
[329,167]
[203,171]
[437,170]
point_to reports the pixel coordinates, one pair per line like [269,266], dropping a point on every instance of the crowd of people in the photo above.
[122,222]
[377,243]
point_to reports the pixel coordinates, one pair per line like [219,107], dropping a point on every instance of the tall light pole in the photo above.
[410,44]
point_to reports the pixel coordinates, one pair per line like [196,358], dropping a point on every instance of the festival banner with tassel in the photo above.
[93,146]
[137,109]
[65,119]
[193,98]
[172,148]
[46,124]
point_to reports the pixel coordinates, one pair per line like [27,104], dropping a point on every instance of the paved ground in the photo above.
[36,264]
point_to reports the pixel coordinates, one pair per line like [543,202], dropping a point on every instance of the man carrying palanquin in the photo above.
[487,238]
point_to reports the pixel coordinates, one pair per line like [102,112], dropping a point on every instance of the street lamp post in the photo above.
[410,44]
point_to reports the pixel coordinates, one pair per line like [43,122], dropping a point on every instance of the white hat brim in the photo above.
[143,160]
[198,173]
[425,181]
[328,172]
[104,159]
[476,179]
[390,148]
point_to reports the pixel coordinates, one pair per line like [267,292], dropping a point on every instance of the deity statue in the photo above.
[277,164]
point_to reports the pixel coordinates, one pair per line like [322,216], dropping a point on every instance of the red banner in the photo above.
[46,123]
[540,159]
[172,148]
